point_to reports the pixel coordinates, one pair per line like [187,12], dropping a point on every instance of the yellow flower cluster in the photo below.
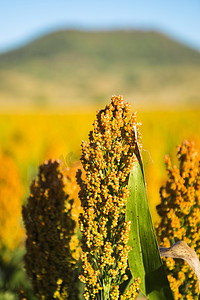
[180,217]
[107,159]
[11,231]
[133,290]
[49,260]
[61,293]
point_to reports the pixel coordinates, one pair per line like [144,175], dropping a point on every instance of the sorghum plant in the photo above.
[107,158]
[180,217]
[51,245]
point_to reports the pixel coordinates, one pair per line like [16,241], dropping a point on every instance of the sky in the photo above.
[24,20]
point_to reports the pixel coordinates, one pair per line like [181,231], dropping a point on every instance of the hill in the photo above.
[75,69]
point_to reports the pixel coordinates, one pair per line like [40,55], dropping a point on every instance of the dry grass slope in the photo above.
[69,70]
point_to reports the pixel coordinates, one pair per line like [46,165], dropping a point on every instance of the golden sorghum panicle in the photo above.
[107,160]
[49,259]
[133,290]
[180,217]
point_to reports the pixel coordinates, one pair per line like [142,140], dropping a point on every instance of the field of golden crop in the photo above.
[30,139]
[27,140]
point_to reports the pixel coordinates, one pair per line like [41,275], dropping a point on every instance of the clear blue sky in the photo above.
[22,20]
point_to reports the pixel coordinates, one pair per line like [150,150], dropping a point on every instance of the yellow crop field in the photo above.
[31,139]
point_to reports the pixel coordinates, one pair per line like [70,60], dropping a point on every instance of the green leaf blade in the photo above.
[144,258]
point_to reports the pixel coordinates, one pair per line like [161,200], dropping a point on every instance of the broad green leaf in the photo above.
[144,258]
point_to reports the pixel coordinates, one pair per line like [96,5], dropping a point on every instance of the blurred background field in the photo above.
[30,139]
[52,87]
[50,90]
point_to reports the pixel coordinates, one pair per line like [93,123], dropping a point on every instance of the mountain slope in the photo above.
[70,69]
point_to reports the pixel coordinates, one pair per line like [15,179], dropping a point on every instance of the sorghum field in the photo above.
[26,141]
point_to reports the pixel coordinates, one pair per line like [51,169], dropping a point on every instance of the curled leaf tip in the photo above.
[183,251]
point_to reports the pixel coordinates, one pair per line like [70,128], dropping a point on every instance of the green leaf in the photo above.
[144,258]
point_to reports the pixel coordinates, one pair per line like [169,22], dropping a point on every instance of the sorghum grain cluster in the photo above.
[107,158]
[180,217]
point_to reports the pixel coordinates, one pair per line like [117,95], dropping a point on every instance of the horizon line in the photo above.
[103,28]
